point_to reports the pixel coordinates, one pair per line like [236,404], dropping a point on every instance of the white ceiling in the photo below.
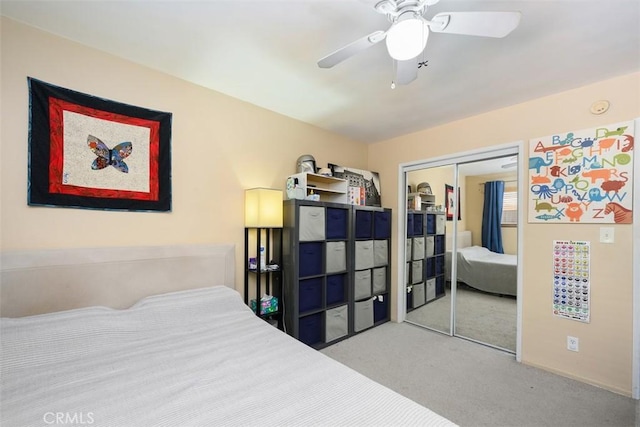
[265,52]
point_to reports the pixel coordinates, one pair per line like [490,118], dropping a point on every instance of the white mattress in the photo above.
[197,357]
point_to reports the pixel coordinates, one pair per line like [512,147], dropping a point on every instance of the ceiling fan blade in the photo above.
[406,71]
[351,49]
[487,24]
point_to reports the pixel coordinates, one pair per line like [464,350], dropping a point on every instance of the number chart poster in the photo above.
[582,176]
[571,281]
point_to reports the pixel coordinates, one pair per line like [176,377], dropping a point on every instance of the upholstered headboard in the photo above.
[463,240]
[42,281]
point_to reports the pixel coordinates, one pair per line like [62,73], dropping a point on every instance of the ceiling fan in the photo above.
[409,31]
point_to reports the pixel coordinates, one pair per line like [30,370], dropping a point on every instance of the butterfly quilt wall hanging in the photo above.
[93,153]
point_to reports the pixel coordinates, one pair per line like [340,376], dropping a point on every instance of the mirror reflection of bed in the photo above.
[485,296]
[486,293]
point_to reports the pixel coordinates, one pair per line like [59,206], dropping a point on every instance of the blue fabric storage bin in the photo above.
[310,329]
[431,224]
[337,223]
[336,289]
[309,294]
[439,285]
[439,245]
[439,265]
[381,225]
[409,224]
[431,267]
[310,259]
[418,224]
[364,224]
[380,308]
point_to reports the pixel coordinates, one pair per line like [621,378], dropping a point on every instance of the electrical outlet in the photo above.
[572,343]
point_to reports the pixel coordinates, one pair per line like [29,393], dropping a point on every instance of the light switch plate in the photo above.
[606,235]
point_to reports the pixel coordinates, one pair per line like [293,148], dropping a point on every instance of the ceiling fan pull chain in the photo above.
[394,67]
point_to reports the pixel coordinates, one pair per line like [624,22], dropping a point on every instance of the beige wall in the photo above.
[220,146]
[473,206]
[606,342]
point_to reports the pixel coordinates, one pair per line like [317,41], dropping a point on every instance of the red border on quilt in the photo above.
[56,158]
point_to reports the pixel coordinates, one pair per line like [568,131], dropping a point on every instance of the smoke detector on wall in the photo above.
[599,107]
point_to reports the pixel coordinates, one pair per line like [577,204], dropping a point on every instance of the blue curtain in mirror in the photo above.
[492,216]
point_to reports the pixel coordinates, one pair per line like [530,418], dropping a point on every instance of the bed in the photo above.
[194,355]
[482,269]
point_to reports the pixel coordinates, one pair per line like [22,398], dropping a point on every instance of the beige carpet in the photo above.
[483,317]
[474,385]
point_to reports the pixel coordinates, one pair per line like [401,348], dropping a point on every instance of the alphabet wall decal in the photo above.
[582,176]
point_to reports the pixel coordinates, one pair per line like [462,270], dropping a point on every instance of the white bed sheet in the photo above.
[485,270]
[197,357]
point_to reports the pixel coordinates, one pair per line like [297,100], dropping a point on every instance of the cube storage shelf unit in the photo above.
[425,256]
[336,270]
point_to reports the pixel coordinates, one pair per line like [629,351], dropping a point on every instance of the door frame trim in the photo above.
[635,278]
[512,148]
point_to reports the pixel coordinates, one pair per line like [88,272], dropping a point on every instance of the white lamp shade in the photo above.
[407,38]
[263,208]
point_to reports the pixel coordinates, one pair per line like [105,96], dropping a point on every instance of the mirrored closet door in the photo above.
[428,301]
[466,285]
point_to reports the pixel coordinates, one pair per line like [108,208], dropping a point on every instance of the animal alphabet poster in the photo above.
[582,176]
[571,281]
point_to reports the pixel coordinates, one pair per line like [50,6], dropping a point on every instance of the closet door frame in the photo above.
[509,149]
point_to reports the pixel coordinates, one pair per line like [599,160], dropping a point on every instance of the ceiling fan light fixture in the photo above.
[407,38]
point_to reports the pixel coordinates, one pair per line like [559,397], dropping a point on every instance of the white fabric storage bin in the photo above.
[417,295]
[430,291]
[407,270]
[336,257]
[311,223]
[416,271]
[364,254]
[430,246]
[441,222]
[408,254]
[418,248]
[380,253]
[362,284]
[379,280]
[336,323]
[363,315]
